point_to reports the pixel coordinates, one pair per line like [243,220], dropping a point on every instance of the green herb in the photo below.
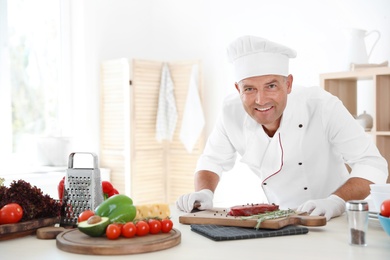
[270,215]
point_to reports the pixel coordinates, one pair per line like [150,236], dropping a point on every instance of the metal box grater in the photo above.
[82,191]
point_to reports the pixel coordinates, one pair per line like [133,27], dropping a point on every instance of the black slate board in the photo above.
[223,233]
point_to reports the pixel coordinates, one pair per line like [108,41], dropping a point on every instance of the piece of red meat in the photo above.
[252,209]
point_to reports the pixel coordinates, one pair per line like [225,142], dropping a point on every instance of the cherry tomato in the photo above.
[166,225]
[11,213]
[120,225]
[113,231]
[385,208]
[154,226]
[85,215]
[142,228]
[129,230]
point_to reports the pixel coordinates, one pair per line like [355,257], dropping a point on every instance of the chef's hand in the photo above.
[203,197]
[331,207]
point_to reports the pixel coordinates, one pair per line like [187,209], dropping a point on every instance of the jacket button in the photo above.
[300,125]
[264,183]
[299,163]
[305,188]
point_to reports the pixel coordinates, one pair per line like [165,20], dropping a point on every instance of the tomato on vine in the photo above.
[129,230]
[113,231]
[154,226]
[166,225]
[142,228]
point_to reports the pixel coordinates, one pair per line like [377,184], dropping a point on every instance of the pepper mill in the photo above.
[357,214]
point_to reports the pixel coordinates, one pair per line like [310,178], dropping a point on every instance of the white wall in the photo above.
[178,30]
[201,29]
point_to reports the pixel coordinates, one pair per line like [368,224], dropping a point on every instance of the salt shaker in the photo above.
[357,214]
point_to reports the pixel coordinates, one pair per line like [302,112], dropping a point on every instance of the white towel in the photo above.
[166,112]
[193,118]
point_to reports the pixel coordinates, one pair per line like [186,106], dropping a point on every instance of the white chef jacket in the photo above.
[306,157]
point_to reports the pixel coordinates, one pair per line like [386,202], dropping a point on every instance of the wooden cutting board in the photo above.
[74,241]
[220,217]
[11,231]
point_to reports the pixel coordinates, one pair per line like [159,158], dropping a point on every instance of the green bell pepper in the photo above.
[118,208]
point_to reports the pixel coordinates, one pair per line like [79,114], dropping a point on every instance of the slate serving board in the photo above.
[224,233]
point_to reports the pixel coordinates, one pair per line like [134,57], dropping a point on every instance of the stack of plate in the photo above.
[372,213]
[379,193]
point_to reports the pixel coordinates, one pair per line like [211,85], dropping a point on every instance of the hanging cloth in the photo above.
[166,112]
[193,118]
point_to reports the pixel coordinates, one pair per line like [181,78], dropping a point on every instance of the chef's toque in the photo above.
[254,56]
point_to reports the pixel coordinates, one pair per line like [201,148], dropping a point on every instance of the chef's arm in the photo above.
[354,189]
[206,180]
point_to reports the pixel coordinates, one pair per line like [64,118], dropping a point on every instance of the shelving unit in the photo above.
[344,86]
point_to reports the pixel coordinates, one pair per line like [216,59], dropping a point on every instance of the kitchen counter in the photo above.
[327,242]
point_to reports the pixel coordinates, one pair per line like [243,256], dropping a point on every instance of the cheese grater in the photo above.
[82,191]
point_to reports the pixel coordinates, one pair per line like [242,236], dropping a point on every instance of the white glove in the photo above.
[331,207]
[203,197]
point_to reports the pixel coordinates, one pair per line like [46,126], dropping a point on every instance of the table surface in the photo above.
[327,242]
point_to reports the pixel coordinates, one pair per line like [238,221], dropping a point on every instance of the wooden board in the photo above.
[49,232]
[11,231]
[220,217]
[74,241]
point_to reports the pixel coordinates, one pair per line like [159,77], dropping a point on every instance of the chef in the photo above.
[296,140]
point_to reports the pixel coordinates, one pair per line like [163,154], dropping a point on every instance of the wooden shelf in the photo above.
[344,86]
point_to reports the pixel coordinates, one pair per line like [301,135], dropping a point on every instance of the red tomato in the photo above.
[166,225]
[385,208]
[113,231]
[129,230]
[142,228]
[120,225]
[11,213]
[85,215]
[154,226]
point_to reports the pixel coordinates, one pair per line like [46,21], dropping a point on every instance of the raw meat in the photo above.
[252,209]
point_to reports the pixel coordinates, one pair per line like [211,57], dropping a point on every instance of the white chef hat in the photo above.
[254,56]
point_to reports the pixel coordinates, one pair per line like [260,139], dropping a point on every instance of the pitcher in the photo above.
[356,48]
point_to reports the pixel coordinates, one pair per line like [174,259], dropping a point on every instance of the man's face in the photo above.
[264,98]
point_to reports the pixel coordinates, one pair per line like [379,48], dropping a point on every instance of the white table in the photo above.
[328,242]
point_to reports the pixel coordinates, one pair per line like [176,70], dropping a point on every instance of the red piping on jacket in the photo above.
[281,165]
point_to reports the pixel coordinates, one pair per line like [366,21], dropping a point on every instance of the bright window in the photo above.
[30,72]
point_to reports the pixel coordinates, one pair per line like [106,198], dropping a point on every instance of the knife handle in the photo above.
[196,204]
[309,221]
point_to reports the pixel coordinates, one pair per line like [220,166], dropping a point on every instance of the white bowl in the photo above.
[380,187]
[377,199]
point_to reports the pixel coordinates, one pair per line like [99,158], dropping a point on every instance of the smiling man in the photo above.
[264,99]
[296,140]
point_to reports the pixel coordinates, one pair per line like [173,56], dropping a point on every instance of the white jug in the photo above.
[356,48]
